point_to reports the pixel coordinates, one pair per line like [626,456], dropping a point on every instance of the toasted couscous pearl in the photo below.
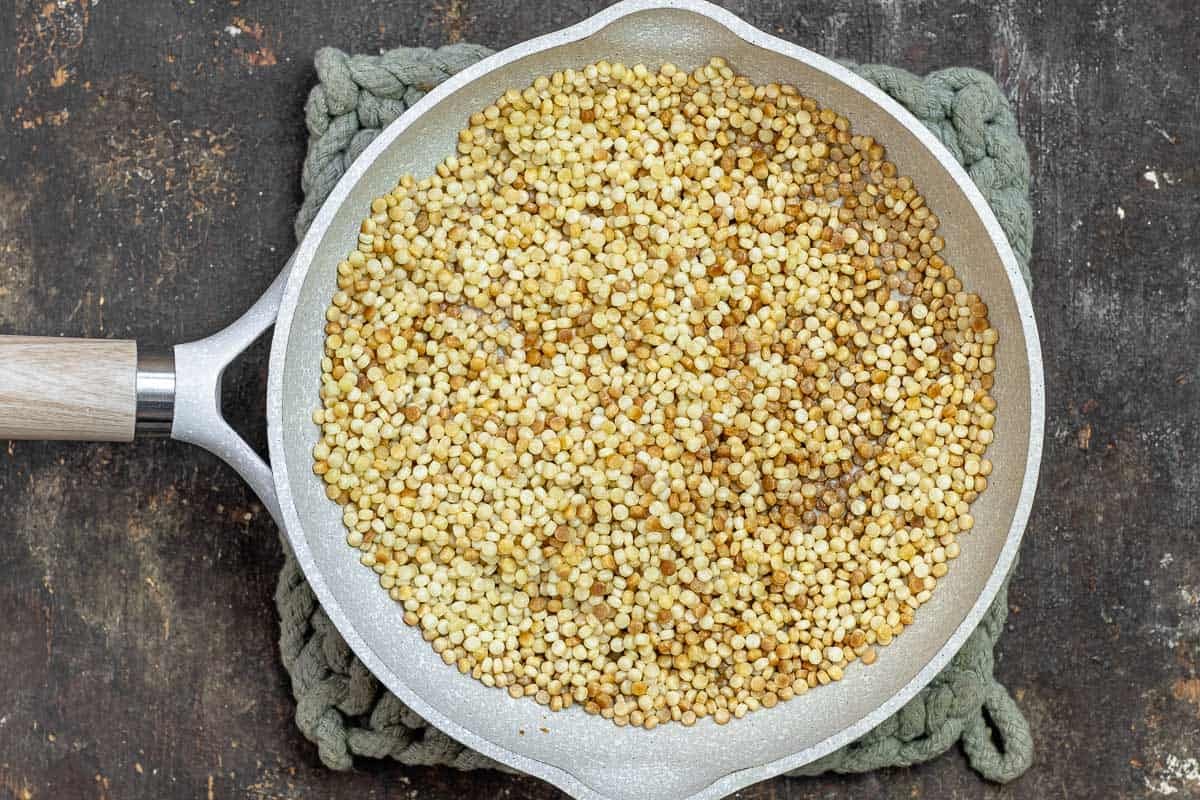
[656,398]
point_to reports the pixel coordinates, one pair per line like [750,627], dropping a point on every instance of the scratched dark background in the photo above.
[149,162]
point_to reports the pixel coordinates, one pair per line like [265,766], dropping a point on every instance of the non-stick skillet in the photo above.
[109,390]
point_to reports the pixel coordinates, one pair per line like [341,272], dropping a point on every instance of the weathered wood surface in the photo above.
[149,162]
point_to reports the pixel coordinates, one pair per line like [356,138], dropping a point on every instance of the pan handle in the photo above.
[69,389]
[109,390]
[199,367]
[83,390]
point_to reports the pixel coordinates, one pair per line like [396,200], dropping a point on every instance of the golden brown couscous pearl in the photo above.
[657,398]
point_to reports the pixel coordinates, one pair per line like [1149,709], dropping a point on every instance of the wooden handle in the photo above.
[78,389]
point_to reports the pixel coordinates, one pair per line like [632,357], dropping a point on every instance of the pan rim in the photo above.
[304,258]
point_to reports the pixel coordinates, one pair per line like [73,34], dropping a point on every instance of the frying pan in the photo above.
[105,390]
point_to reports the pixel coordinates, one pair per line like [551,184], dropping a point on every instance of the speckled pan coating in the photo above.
[588,756]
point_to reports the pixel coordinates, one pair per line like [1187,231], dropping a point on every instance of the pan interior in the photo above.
[671,761]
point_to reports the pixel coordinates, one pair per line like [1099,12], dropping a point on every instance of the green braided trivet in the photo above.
[343,709]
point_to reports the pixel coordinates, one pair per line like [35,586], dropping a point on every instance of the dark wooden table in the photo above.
[149,163]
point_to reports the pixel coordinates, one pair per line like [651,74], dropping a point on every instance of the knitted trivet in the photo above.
[343,709]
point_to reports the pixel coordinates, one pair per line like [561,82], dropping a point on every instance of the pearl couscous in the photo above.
[658,398]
